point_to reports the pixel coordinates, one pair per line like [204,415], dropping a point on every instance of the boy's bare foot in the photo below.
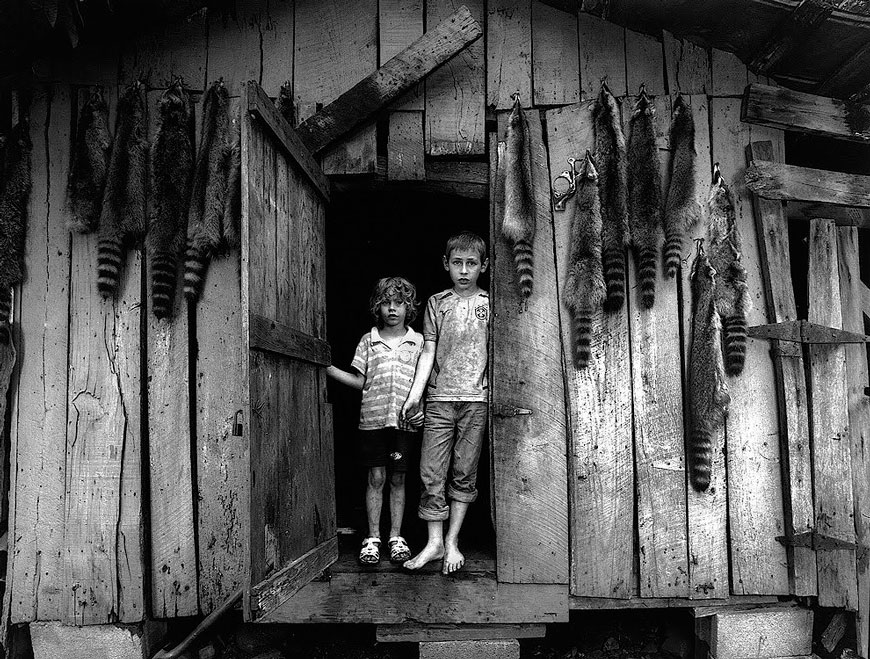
[453,559]
[431,552]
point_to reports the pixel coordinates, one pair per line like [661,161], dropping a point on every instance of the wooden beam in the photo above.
[865,299]
[801,23]
[417,633]
[851,75]
[462,178]
[843,216]
[386,84]
[773,180]
[604,603]
[783,108]
[277,337]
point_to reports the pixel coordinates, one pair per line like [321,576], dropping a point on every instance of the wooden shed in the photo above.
[158,469]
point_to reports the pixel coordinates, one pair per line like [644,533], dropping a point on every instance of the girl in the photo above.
[384,365]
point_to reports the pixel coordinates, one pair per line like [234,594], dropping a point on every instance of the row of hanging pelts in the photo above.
[184,201]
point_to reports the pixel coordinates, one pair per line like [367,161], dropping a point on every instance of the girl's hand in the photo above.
[411,409]
[416,419]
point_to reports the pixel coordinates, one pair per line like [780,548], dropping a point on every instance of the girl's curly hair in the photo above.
[394,288]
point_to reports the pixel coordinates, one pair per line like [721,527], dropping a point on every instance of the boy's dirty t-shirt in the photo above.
[458,325]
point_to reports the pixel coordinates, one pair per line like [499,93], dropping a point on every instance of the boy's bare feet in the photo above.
[431,552]
[453,559]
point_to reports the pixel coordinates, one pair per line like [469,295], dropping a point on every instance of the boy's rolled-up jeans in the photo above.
[454,430]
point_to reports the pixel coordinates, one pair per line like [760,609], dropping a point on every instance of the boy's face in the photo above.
[393,312]
[464,266]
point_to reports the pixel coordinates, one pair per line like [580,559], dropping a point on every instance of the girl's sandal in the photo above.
[370,554]
[399,550]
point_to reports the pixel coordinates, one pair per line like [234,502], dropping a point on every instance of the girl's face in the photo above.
[393,312]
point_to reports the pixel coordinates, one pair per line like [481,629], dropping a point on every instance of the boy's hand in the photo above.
[411,410]
[416,419]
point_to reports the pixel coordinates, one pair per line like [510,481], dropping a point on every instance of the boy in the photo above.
[454,363]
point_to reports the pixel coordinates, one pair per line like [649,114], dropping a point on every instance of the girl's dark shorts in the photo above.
[387,447]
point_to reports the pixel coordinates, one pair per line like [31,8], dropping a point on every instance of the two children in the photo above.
[452,371]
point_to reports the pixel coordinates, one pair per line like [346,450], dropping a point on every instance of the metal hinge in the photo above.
[815,541]
[802,331]
[509,410]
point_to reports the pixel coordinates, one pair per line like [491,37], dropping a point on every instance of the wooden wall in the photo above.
[81,516]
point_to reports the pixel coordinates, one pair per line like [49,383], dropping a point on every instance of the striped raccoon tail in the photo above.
[614,277]
[734,339]
[700,457]
[673,253]
[524,261]
[195,266]
[646,275]
[110,263]
[164,268]
[581,337]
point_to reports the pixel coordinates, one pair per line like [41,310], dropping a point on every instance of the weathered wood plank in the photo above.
[177,49]
[687,66]
[859,415]
[602,55]
[755,513]
[844,216]
[508,53]
[600,458]
[416,633]
[850,77]
[761,633]
[772,229]
[829,424]
[773,180]
[699,609]
[405,147]
[729,75]
[803,20]
[400,23]
[786,109]
[530,470]
[277,337]
[53,640]
[335,47]
[644,63]
[555,56]
[456,93]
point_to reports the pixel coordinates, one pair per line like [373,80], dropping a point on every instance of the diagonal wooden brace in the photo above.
[802,331]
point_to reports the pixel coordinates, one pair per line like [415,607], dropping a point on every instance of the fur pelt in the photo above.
[645,196]
[585,289]
[708,390]
[208,201]
[122,216]
[16,178]
[731,291]
[87,174]
[610,155]
[681,209]
[284,103]
[232,219]
[171,165]
[518,225]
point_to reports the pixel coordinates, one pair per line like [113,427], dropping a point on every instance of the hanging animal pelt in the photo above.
[708,390]
[681,209]
[284,102]
[518,226]
[645,196]
[610,155]
[232,219]
[584,286]
[171,165]
[87,174]
[122,216]
[15,186]
[208,201]
[731,293]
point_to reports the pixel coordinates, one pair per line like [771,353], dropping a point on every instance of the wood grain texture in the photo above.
[687,66]
[275,336]
[602,55]
[844,216]
[405,147]
[707,511]
[335,46]
[798,28]
[416,633]
[780,632]
[530,471]
[773,180]
[859,414]
[508,53]
[644,63]
[730,75]
[400,23]
[600,456]
[849,77]
[163,53]
[456,93]
[699,609]
[555,56]
[829,424]
[772,230]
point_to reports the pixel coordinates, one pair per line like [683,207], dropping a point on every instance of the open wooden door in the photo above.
[292,480]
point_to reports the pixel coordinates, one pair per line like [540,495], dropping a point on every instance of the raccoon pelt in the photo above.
[284,103]
[681,209]
[645,196]
[708,390]
[87,174]
[15,185]
[122,216]
[585,289]
[518,225]
[232,219]
[205,219]
[171,167]
[731,291]
[610,155]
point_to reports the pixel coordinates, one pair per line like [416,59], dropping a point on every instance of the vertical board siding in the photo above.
[602,55]
[829,424]
[508,53]
[600,456]
[405,147]
[171,51]
[400,23]
[555,56]
[336,46]
[456,92]
[644,63]
[530,471]
[759,564]
[687,66]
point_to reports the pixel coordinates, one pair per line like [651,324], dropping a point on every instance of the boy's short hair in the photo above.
[466,240]
[394,288]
